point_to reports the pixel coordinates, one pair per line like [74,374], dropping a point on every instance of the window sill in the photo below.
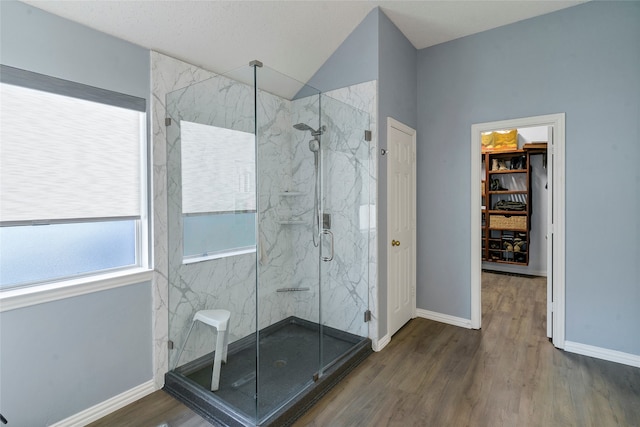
[12,299]
[194,260]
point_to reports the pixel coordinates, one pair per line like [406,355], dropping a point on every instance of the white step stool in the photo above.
[218,319]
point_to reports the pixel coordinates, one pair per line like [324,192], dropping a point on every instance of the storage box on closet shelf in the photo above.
[502,140]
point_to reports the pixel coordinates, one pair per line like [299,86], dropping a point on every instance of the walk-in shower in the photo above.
[247,234]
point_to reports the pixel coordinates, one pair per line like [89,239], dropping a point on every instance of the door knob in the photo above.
[395,243]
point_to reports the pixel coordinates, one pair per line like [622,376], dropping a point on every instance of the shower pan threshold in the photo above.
[186,382]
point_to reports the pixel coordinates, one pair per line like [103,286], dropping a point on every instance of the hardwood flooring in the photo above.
[433,374]
[158,409]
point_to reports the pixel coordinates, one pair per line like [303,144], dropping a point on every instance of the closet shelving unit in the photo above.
[505,233]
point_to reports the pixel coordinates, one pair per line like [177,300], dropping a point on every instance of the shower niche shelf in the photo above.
[290,221]
[288,212]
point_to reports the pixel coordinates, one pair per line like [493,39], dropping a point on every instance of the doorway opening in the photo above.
[506,242]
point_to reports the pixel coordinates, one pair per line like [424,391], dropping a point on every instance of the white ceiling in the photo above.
[293,37]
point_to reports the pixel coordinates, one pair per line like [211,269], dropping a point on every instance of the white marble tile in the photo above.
[364,97]
[287,256]
[167,74]
[229,104]
[344,165]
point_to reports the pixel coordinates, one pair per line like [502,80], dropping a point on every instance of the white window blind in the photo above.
[65,158]
[218,169]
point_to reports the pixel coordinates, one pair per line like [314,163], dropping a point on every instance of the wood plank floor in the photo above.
[432,374]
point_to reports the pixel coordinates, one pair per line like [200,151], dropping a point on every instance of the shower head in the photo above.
[305,127]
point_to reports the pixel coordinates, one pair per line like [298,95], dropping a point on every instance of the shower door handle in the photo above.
[329,258]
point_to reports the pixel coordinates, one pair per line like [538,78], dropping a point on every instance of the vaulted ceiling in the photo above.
[293,37]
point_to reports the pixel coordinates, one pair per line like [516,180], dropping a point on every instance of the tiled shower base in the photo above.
[289,356]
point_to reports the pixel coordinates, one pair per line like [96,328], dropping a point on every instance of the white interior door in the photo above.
[550,214]
[401,224]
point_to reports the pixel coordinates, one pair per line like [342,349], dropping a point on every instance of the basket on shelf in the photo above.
[508,222]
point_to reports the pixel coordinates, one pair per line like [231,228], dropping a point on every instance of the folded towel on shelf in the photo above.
[509,205]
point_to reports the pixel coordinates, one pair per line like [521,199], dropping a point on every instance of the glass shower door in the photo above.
[345,227]
[287,259]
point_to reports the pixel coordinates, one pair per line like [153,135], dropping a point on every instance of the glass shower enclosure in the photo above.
[268,219]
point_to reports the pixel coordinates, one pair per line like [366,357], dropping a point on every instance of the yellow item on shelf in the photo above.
[501,140]
[505,140]
[487,141]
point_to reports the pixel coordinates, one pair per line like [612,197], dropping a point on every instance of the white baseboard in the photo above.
[108,406]
[603,353]
[381,343]
[444,318]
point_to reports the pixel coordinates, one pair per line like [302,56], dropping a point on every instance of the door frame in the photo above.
[555,245]
[393,123]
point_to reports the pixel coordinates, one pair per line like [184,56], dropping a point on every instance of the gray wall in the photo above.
[397,99]
[65,356]
[38,41]
[356,59]
[62,357]
[583,61]
[377,49]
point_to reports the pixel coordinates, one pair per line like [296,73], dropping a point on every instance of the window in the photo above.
[218,191]
[72,180]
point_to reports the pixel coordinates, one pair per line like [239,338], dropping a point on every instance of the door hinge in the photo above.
[367,316]
[367,135]
[170,344]
[167,121]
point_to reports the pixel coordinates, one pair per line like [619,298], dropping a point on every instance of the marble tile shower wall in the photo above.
[229,282]
[300,208]
[181,290]
[344,298]
[167,74]
[345,154]
[275,260]
[363,96]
